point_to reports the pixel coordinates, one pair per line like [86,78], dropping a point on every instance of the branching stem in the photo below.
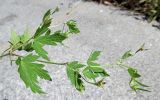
[14,49]
[47,62]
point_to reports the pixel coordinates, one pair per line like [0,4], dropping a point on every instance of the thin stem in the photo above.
[5,50]
[4,55]
[87,81]
[10,54]
[125,66]
[10,57]
[50,62]
[13,54]
[14,49]
[120,64]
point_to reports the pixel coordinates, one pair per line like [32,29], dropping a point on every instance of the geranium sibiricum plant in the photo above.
[31,65]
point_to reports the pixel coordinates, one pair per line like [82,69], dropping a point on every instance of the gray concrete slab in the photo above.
[102,28]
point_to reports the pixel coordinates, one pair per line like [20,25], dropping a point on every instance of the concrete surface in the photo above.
[102,28]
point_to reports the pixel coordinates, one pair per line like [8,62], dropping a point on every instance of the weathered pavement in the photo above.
[102,28]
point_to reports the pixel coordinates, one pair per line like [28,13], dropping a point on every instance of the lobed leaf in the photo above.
[74,75]
[94,72]
[75,65]
[30,58]
[30,71]
[51,39]
[14,38]
[25,37]
[72,25]
[40,41]
[136,85]
[38,47]
[93,57]
[46,22]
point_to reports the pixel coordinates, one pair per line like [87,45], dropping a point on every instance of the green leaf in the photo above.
[45,40]
[28,47]
[46,22]
[48,32]
[25,37]
[94,72]
[14,38]
[30,58]
[89,74]
[74,75]
[30,71]
[47,15]
[72,25]
[58,37]
[93,64]
[40,41]
[41,30]
[127,54]
[133,84]
[93,57]
[51,39]
[75,65]
[38,47]
[133,73]
[136,85]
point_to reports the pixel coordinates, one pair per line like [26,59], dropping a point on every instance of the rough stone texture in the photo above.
[102,28]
